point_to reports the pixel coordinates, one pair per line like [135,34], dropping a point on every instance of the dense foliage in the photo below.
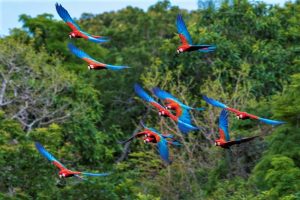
[48,95]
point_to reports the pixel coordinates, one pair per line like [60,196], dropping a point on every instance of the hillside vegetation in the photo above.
[49,95]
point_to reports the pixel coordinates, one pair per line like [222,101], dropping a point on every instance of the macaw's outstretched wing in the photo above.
[164,95]
[242,140]
[146,97]
[170,98]
[47,155]
[214,102]
[271,122]
[163,150]
[185,127]
[94,174]
[81,54]
[184,35]
[223,125]
[63,13]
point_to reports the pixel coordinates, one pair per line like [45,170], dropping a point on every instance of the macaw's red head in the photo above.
[242,116]
[179,50]
[72,35]
[162,113]
[171,106]
[91,66]
[62,174]
[218,142]
[149,139]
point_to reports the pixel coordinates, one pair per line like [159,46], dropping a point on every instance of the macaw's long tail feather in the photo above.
[174,143]
[211,48]
[101,37]
[271,122]
[115,68]
[92,174]
[168,136]
[199,109]
[97,40]
[186,128]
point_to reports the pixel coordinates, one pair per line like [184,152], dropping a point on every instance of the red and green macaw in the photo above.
[239,114]
[162,111]
[92,63]
[186,39]
[76,31]
[150,135]
[172,103]
[63,171]
[224,140]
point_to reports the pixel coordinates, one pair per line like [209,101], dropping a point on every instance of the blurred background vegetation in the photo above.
[48,95]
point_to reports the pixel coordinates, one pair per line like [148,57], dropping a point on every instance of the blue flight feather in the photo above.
[79,53]
[181,28]
[163,150]
[271,122]
[142,93]
[223,124]
[63,13]
[185,116]
[209,49]
[45,153]
[186,128]
[165,95]
[115,68]
[214,102]
[94,174]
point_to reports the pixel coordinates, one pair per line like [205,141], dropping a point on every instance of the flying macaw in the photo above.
[172,103]
[239,114]
[64,172]
[182,125]
[93,64]
[76,31]
[186,39]
[224,140]
[153,136]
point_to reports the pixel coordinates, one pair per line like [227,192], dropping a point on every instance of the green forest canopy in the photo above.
[80,115]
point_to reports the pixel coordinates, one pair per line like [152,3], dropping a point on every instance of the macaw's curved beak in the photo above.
[178,52]
[70,36]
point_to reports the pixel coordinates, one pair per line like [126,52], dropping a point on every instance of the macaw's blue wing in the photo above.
[164,95]
[185,127]
[185,116]
[182,30]
[79,53]
[214,102]
[63,13]
[271,122]
[223,125]
[94,174]
[142,94]
[163,150]
[47,155]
